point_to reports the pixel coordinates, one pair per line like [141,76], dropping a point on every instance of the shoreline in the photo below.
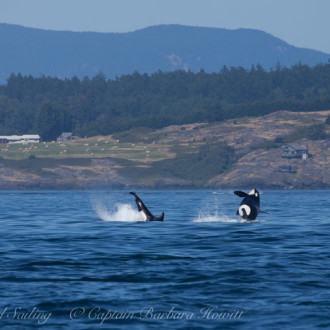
[167,188]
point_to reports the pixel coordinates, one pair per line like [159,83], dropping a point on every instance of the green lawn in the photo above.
[96,147]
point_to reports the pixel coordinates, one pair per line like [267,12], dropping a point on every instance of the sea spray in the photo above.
[211,210]
[117,212]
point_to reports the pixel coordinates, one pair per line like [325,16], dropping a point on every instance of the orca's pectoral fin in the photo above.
[241,193]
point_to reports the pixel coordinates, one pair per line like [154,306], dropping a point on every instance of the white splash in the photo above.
[120,212]
[215,218]
[213,211]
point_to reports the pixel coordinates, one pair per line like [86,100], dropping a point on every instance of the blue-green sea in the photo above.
[85,260]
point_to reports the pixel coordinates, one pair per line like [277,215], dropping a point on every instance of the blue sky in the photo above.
[302,23]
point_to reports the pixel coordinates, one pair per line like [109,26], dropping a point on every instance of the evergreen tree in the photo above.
[52,121]
[100,106]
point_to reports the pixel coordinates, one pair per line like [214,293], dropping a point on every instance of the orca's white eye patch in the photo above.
[252,192]
[256,194]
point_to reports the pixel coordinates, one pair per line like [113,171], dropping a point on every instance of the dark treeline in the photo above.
[49,106]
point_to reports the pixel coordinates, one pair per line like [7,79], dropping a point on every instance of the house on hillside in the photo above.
[67,136]
[293,150]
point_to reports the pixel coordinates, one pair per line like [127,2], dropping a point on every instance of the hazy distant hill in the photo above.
[165,47]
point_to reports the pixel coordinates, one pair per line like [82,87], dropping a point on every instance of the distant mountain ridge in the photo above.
[66,54]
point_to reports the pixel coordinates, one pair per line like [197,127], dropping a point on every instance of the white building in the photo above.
[67,136]
[293,150]
[19,139]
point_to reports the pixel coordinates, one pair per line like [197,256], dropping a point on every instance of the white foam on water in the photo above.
[119,212]
[212,210]
[220,218]
[204,217]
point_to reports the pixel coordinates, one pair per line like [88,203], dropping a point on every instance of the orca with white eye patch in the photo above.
[250,205]
[146,214]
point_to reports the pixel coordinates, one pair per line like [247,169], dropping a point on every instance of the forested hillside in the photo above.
[64,54]
[49,106]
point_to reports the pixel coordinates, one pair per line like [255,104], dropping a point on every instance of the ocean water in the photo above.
[84,260]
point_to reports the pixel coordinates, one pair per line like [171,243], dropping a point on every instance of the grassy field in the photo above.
[191,154]
[95,147]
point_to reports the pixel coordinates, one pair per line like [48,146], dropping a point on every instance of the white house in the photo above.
[294,150]
[67,136]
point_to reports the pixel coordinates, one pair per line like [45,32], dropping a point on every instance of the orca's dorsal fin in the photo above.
[241,194]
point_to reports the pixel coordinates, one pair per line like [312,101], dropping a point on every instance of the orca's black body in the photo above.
[250,205]
[147,215]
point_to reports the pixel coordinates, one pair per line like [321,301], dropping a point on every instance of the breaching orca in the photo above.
[250,206]
[147,216]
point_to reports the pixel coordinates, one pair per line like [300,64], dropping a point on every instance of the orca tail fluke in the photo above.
[133,193]
[161,218]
